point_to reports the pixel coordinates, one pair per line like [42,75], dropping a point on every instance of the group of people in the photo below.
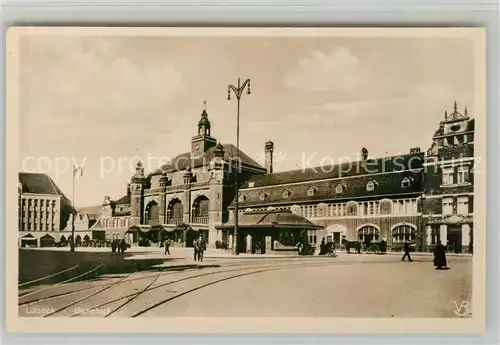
[199,247]
[439,255]
[325,248]
[119,246]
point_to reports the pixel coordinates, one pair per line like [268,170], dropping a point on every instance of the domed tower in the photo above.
[137,186]
[201,142]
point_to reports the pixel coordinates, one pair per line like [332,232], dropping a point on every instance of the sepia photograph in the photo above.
[328,178]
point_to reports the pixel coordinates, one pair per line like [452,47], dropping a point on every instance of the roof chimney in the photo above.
[269,149]
[364,154]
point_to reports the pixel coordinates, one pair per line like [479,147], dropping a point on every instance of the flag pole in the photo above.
[72,244]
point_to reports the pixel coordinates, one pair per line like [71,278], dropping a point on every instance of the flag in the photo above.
[77,171]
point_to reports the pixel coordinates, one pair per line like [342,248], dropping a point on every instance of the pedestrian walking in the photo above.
[407,252]
[440,256]
[167,246]
[322,247]
[123,247]
[201,247]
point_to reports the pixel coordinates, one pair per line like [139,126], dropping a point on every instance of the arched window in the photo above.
[152,213]
[200,206]
[339,189]
[385,206]
[403,233]
[287,193]
[367,233]
[175,211]
[406,182]
[262,196]
[311,191]
[352,208]
[370,186]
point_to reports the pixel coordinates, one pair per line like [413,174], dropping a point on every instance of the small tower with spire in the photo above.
[201,142]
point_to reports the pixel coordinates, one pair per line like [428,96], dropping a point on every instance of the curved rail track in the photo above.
[135,296]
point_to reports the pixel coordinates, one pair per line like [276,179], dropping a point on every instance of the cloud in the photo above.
[318,71]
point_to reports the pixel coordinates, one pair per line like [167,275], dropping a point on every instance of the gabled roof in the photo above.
[357,168]
[93,212]
[38,184]
[183,161]
[123,200]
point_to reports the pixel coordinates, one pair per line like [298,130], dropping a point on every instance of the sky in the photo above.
[105,102]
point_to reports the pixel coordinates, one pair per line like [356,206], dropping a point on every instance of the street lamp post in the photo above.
[238,92]
[72,243]
[422,226]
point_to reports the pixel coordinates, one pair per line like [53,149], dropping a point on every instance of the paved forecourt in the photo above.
[344,286]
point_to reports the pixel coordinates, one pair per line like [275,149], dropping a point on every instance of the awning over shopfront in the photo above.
[139,228]
[280,219]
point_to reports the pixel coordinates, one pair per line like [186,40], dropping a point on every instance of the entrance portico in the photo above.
[267,232]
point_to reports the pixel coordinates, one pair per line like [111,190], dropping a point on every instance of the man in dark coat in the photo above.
[200,247]
[407,252]
[440,256]
[322,247]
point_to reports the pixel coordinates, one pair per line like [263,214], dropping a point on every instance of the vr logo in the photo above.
[462,309]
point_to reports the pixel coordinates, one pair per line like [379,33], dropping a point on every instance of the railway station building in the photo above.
[420,196]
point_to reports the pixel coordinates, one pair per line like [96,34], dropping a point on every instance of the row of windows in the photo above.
[39,202]
[399,234]
[116,222]
[33,226]
[461,176]
[365,208]
[406,182]
[462,205]
[455,140]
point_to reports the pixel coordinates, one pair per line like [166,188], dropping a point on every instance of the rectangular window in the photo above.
[463,174]
[447,206]
[401,204]
[447,175]
[312,236]
[463,205]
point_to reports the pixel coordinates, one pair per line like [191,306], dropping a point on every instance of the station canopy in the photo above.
[278,219]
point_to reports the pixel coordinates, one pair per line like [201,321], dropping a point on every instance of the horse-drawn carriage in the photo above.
[368,246]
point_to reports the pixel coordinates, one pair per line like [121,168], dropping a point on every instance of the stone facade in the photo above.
[43,210]
[449,184]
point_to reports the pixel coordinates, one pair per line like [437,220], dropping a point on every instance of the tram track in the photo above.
[32,292]
[258,269]
[80,290]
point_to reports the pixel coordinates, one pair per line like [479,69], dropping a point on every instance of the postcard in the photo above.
[246,180]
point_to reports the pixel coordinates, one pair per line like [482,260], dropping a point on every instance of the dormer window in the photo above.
[242,198]
[286,193]
[251,184]
[370,186]
[339,189]
[262,196]
[311,191]
[406,182]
